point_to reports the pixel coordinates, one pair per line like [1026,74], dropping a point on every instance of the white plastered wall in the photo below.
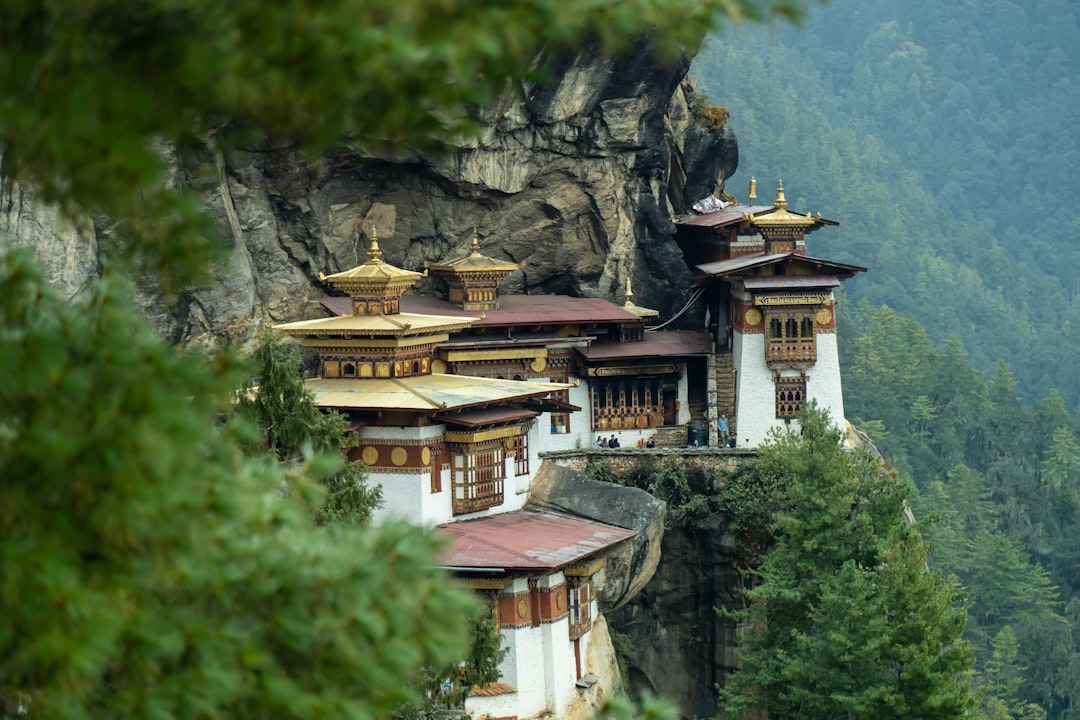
[580,423]
[539,663]
[408,496]
[756,392]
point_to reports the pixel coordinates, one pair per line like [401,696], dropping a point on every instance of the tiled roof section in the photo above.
[423,392]
[667,343]
[493,689]
[526,540]
[791,282]
[514,310]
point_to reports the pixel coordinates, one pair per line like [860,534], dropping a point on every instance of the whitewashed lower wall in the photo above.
[756,392]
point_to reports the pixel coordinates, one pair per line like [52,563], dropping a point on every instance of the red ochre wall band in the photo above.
[415,455]
[751,319]
[521,610]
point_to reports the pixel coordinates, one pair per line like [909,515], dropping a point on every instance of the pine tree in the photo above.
[150,570]
[290,426]
[846,619]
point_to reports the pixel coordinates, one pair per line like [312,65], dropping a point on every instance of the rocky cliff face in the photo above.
[682,646]
[579,177]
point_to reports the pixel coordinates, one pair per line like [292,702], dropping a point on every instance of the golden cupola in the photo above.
[780,228]
[473,281]
[376,286]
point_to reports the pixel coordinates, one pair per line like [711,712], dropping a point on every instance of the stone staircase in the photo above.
[670,436]
[725,387]
[699,410]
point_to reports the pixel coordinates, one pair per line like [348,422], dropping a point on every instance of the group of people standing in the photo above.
[613,442]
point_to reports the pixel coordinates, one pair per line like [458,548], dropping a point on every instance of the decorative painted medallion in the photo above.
[438,366]
[425,456]
[398,456]
[823,316]
[538,364]
[370,456]
[522,608]
[753,317]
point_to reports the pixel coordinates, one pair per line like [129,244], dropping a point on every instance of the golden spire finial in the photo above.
[374,252]
[781,201]
[753,188]
[475,242]
[629,292]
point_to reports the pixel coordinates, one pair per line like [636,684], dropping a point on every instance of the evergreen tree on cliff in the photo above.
[847,620]
[150,569]
[293,430]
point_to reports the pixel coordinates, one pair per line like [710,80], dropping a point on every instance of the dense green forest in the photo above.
[943,140]
[945,144]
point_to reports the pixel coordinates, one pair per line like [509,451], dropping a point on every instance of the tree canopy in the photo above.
[845,617]
[150,568]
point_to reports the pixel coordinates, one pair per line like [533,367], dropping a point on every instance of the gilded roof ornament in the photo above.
[753,189]
[630,307]
[375,278]
[781,201]
[780,216]
[374,253]
[475,263]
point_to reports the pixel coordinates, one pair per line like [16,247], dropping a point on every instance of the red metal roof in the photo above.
[662,343]
[526,540]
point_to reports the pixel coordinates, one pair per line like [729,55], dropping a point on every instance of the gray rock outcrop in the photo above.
[631,565]
[580,177]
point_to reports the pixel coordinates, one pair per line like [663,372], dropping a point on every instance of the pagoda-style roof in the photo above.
[731,215]
[474,280]
[759,217]
[375,278]
[781,217]
[474,263]
[423,393]
[395,325]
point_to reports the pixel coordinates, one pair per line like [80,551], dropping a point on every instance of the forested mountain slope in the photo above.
[942,137]
[944,142]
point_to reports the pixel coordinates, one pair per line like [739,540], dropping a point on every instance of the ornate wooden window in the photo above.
[560,421]
[436,470]
[519,446]
[790,394]
[579,601]
[791,336]
[626,404]
[478,473]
